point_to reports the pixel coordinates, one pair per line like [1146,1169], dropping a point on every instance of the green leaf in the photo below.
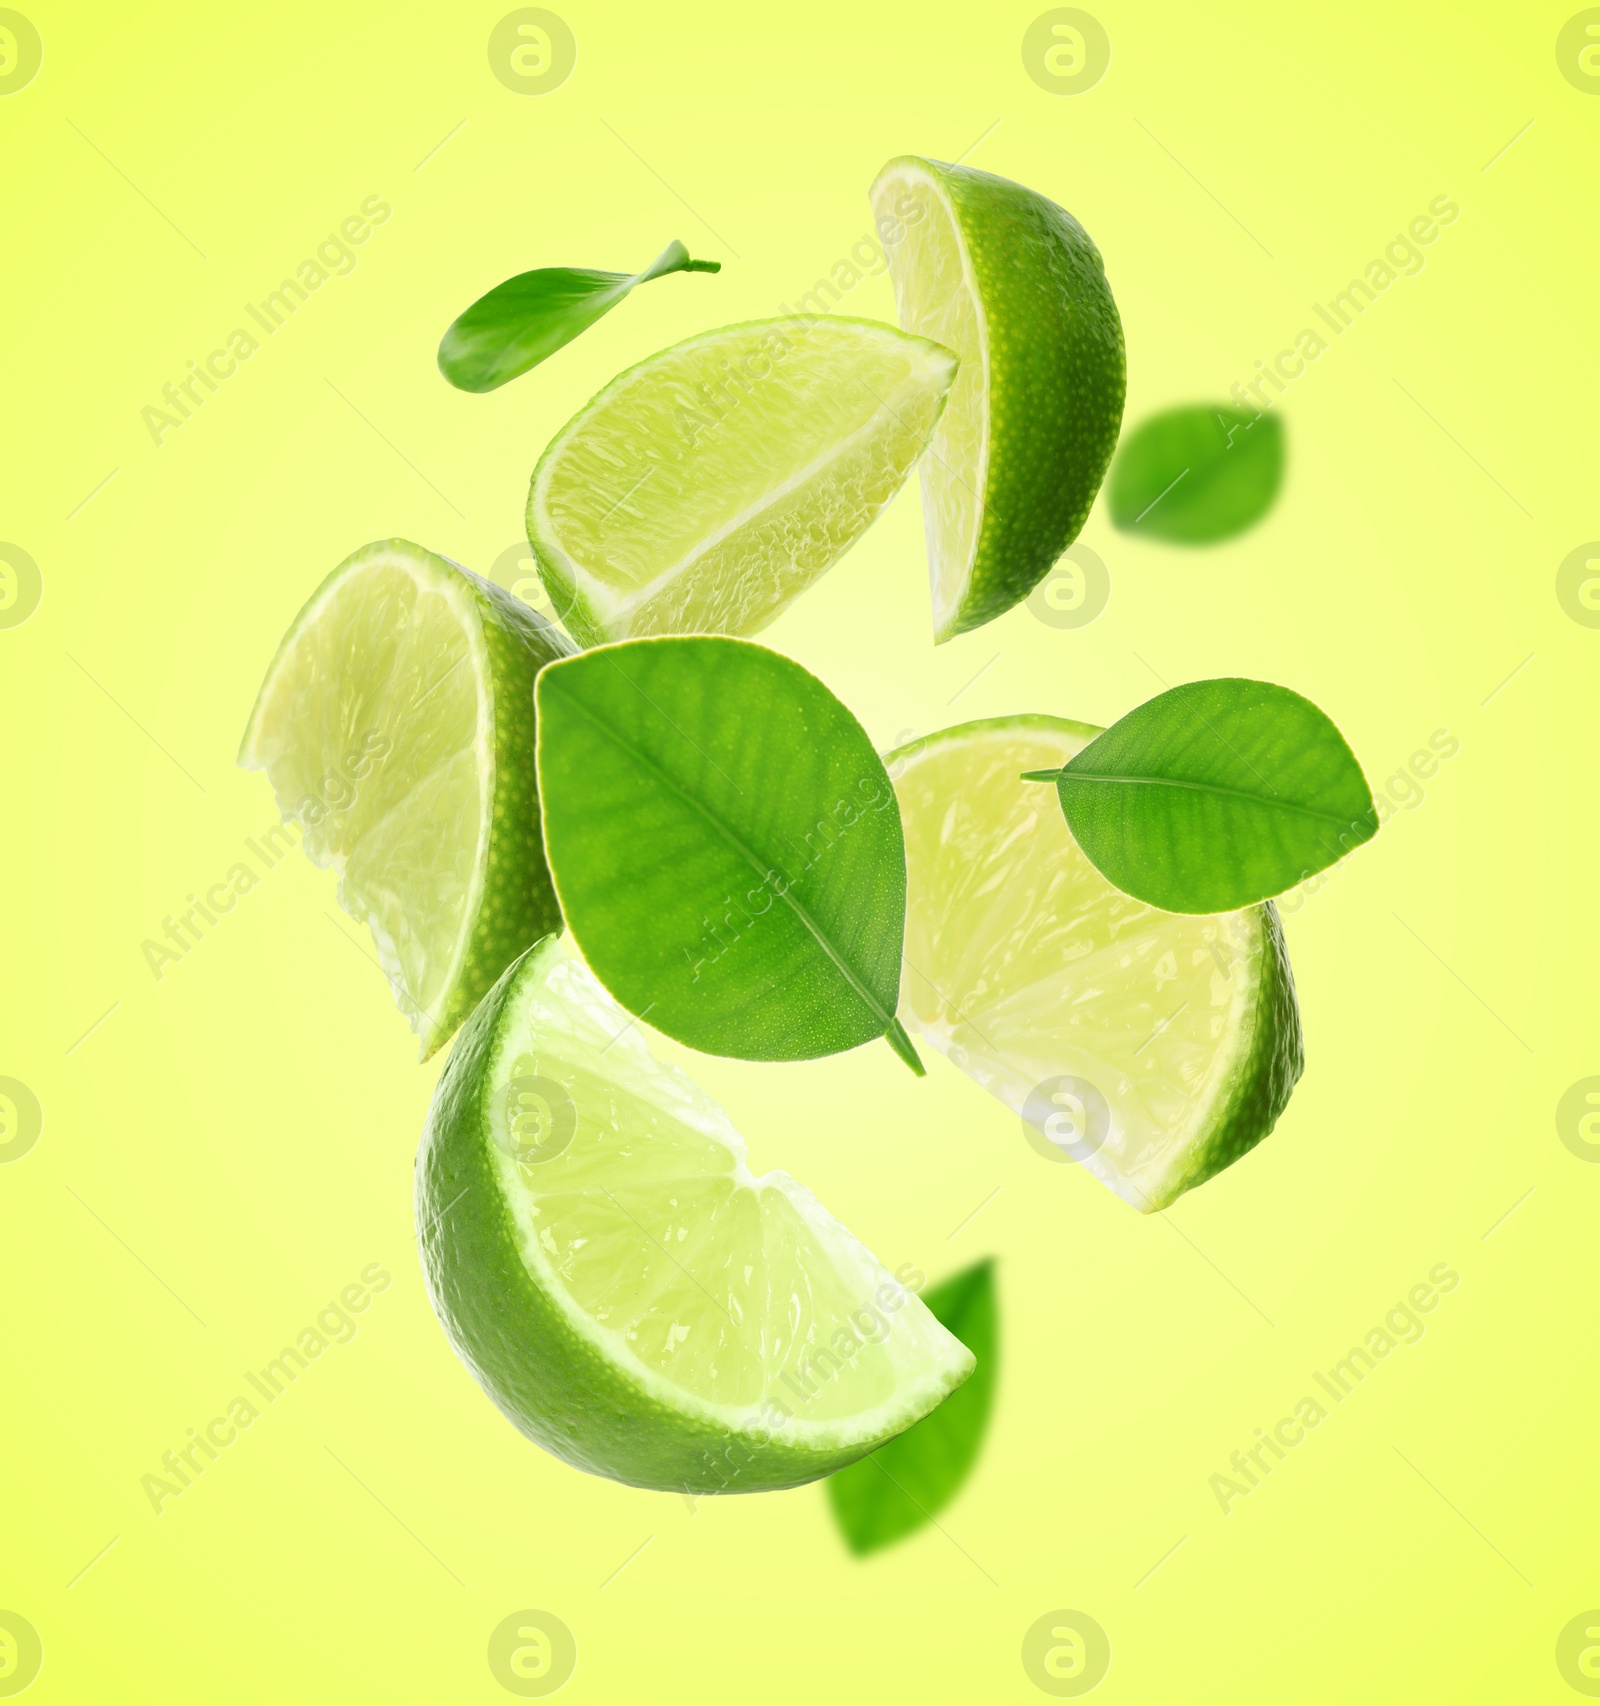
[1197,475]
[905,1483]
[531,316]
[1215,795]
[726,846]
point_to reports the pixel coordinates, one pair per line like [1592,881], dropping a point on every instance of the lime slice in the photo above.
[1153,1047]
[396,726]
[623,1288]
[706,488]
[1014,285]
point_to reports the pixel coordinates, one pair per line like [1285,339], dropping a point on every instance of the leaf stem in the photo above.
[673,258]
[1040,775]
[897,1039]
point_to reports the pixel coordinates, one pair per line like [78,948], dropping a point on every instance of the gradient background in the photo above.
[227,1147]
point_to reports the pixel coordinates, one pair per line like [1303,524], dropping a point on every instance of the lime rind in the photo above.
[556,1281]
[1027,456]
[1260,1090]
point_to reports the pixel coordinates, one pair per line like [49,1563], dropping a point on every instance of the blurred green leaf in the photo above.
[518,323]
[905,1483]
[1197,475]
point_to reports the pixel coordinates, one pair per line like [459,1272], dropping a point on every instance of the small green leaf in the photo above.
[905,1483]
[531,316]
[726,846]
[1215,795]
[1197,475]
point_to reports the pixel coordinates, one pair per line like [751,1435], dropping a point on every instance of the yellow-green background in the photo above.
[246,1125]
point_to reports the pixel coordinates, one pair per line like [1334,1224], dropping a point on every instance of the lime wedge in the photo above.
[709,486]
[396,726]
[1154,1048]
[621,1286]
[1013,284]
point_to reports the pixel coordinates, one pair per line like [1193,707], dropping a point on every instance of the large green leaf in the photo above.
[726,846]
[1215,795]
[1198,474]
[518,323]
[905,1483]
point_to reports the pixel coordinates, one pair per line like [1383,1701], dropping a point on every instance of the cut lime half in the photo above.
[396,726]
[1154,1048]
[706,488]
[623,1288]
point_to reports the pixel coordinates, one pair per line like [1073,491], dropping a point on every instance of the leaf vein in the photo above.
[760,866]
[1275,803]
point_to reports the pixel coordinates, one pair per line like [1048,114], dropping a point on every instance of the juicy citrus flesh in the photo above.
[717,1304]
[1024,966]
[1015,286]
[397,804]
[394,725]
[706,488]
[937,297]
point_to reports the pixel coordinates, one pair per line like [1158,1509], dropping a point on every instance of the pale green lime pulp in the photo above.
[707,487]
[1024,965]
[622,1285]
[396,725]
